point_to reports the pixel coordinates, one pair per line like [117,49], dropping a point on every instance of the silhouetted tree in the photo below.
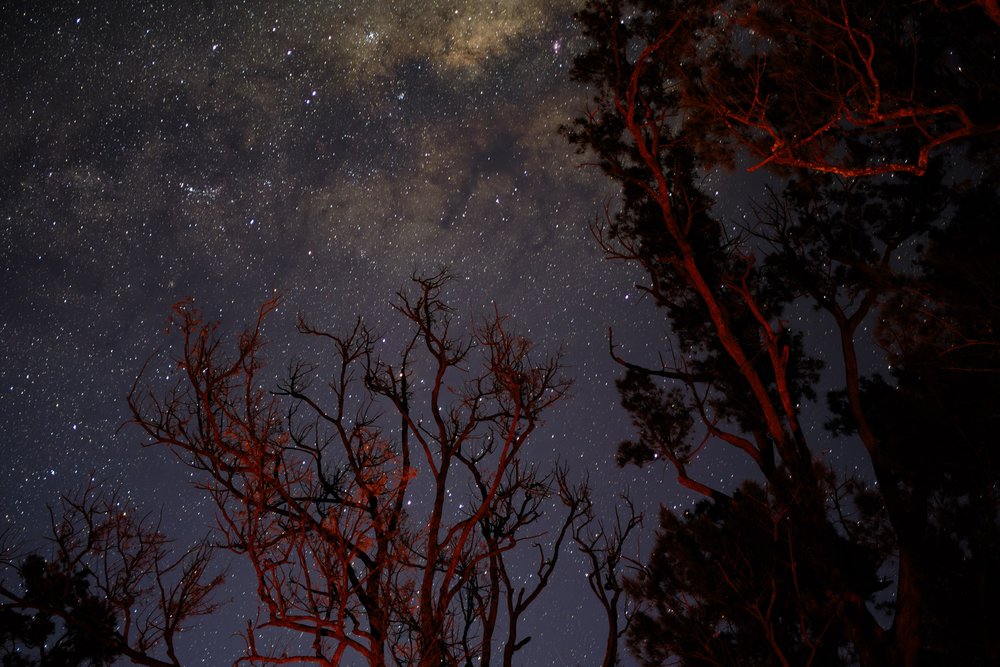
[378,516]
[604,541]
[49,594]
[111,587]
[802,565]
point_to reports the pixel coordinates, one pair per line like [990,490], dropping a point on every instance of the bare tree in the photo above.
[111,580]
[604,542]
[377,517]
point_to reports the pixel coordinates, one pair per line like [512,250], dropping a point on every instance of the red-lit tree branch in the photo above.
[353,504]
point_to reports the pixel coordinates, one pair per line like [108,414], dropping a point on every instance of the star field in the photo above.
[322,150]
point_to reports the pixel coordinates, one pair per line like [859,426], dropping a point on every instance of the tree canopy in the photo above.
[878,122]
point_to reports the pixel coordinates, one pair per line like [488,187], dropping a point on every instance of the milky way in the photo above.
[322,150]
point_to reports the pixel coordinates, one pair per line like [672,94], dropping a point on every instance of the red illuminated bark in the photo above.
[802,84]
[325,497]
[853,99]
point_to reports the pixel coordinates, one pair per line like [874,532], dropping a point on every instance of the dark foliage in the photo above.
[51,594]
[877,121]
[111,587]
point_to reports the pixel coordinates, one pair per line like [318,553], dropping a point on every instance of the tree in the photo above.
[726,585]
[839,86]
[111,587]
[604,543]
[848,103]
[48,591]
[378,518]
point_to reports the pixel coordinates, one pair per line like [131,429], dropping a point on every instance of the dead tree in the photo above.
[603,542]
[111,581]
[371,511]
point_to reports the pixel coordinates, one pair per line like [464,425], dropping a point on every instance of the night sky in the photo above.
[326,150]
